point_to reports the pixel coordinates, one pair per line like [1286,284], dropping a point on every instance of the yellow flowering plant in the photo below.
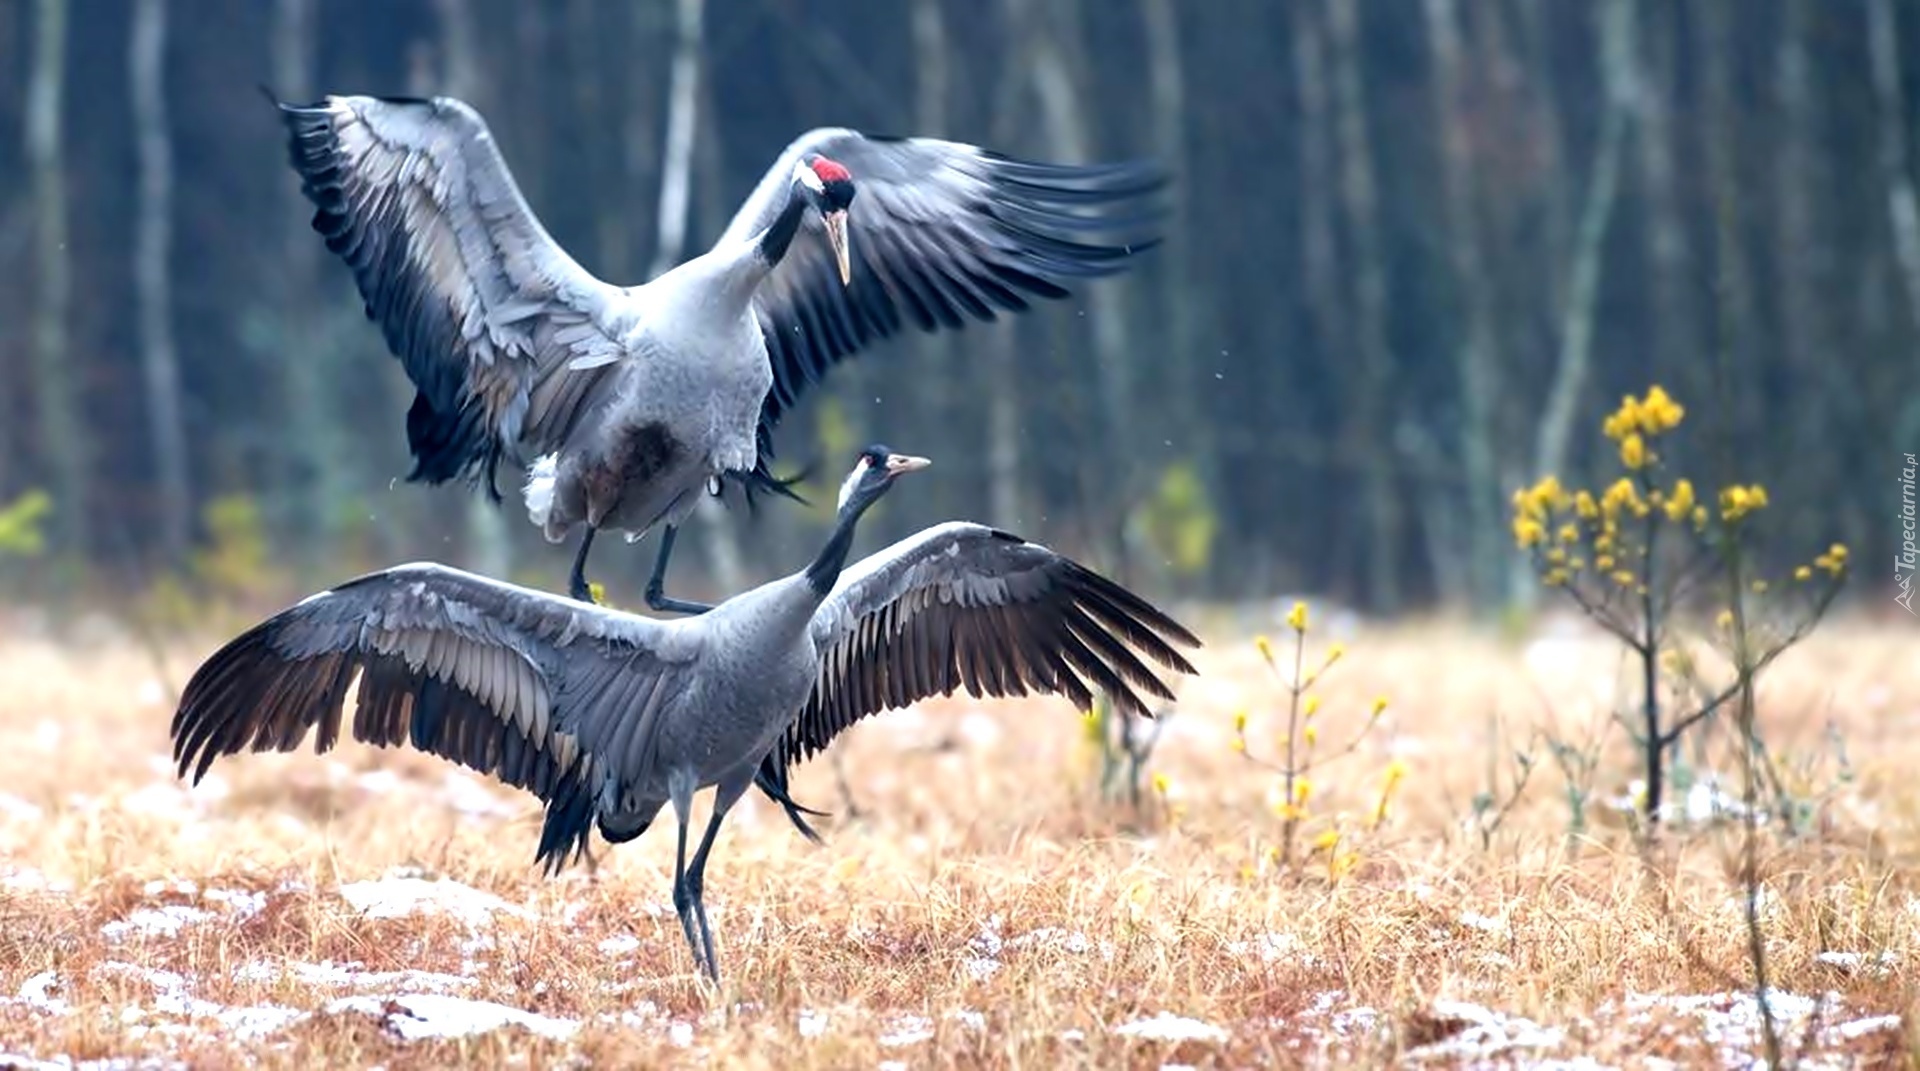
[1300,754]
[1638,552]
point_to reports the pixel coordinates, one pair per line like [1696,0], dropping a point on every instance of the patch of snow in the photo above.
[969,1018]
[619,944]
[1473,920]
[13,808]
[37,993]
[1860,962]
[20,1062]
[1053,937]
[353,974]
[907,1030]
[1269,947]
[812,1023]
[164,921]
[981,968]
[1169,1027]
[172,999]
[1860,1028]
[893,1065]
[1484,1032]
[417,1016]
[680,1033]
[398,896]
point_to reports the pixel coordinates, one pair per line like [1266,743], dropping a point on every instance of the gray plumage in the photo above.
[607,716]
[627,402]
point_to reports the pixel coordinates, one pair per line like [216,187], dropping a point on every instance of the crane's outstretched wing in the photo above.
[483,308]
[940,231]
[544,693]
[962,605]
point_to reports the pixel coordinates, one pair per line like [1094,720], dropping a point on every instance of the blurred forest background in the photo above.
[1417,248]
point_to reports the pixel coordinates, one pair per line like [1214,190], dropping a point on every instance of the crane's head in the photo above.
[874,471]
[829,188]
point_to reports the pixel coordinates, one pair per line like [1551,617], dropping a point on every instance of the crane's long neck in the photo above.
[773,242]
[824,572]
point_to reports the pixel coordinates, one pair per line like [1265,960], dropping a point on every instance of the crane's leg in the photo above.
[577,585]
[682,897]
[724,797]
[657,598]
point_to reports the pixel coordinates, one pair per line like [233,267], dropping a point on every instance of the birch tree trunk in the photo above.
[1004,496]
[1371,427]
[317,445]
[1065,121]
[1903,206]
[1478,353]
[938,383]
[63,445]
[153,245]
[1589,245]
[1668,247]
[677,155]
[489,543]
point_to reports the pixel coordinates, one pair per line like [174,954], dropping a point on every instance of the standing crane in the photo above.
[608,716]
[625,403]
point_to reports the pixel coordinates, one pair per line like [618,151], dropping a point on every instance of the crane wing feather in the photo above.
[964,606]
[527,687]
[941,233]
[478,302]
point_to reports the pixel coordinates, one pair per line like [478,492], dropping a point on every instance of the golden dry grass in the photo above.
[984,901]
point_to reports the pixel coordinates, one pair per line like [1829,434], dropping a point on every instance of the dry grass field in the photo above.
[370,908]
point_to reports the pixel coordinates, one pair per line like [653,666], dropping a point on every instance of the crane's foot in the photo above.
[577,586]
[660,602]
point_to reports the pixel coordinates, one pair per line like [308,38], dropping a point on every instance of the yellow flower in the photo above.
[1327,840]
[1659,412]
[1699,518]
[1297,617]
[1312,707]
[1554,578]
[1623,577]
[1759,587]
[1289,813]
[1680,504]
[1161,784]
[1834,561]
[1239,721]
[1622,422]
[1633,452]
[1569,533]
[1556,556]
[1622,497]
[1342,864]
[1396,772]
[1312,735]
[1528,532]
[1803,573]
[1239,743]
[1334,654]
[1302,791]
[1737,502]
[1604,562]
[1576,564]
[1724,621]
[1264,646]
[1584,505]
[1379,706]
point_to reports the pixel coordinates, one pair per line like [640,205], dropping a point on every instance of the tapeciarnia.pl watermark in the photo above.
[1903,562]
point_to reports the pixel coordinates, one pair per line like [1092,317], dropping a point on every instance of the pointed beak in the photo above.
[898,464]
[836,222]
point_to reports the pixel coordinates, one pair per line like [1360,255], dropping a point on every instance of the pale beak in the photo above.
[901,463]
[836,222]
